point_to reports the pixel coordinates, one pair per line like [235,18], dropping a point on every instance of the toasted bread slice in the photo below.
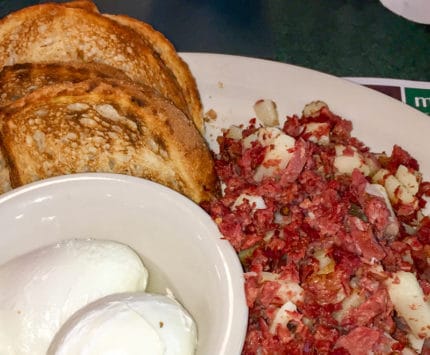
[105,126]
[20,79]
[55,32]
[172,60]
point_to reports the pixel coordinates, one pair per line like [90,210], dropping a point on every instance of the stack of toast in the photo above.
[82,91]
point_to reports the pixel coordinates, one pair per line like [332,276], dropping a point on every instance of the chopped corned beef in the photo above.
[320,238]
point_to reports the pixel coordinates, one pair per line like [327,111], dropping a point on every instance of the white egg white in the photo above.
[40,290]
[128,324]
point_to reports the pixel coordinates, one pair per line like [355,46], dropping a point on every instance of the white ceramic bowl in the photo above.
[177,240]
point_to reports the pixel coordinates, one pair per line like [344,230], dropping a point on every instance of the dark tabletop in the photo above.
[341,37]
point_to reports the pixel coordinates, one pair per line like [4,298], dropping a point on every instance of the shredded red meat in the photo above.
[316,246]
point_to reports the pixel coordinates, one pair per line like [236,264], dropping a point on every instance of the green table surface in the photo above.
[340,37]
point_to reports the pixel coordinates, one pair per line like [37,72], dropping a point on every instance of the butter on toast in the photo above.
[171,59]
[53,32]
[105,126]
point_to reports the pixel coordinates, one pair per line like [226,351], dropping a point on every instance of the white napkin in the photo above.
[413,10]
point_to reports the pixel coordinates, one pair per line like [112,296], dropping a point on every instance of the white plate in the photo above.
[413,10]
[230,85]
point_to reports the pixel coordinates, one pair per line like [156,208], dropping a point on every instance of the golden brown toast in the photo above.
[20,79]
[82,4]
[172,60]
[105,126]
[57,32]
[168,54]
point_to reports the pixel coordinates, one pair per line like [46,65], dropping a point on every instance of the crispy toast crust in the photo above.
[82,4]
[172,60]
[20,79]
[105,126]
[55,32]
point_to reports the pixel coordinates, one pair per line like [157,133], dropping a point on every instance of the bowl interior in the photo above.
[177,240]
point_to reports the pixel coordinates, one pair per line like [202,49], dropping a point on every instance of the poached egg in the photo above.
[40,290]
[128,324]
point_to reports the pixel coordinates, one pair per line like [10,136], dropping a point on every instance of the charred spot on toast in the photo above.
[138,101]
[160,142]
[80,54]
[18,66]
[22,75]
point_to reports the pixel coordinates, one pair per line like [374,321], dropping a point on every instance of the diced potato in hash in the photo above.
[351,301]
[318,132]
[256,201]
[313,108]
[288,290]
[283,316]
[266,112]
[407,179]
[408,300]
[346,163]
[234,132]
[280,150]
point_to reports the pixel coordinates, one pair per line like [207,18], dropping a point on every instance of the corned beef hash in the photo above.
[334,239]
